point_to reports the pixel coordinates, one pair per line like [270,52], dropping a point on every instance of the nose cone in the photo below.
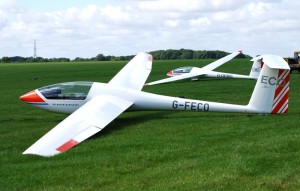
[31,97]
[171,73]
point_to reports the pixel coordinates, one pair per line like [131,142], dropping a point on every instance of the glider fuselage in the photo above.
[205,73]
[142,100]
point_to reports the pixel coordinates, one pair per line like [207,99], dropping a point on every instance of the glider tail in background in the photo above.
[256,67]
[273,82]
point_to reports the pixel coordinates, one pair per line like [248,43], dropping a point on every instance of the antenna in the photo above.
[34,50]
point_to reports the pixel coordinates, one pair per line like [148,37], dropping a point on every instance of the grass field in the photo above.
[151,150]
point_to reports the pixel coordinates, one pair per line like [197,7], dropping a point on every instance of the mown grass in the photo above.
[157,150]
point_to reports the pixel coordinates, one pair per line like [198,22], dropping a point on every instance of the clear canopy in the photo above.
[67,91]
[181,70]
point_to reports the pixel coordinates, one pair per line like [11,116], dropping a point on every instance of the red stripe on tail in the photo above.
[281,97]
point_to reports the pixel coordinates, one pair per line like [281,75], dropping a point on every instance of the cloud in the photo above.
[128,27]
[187,6]
[115,13]
[171,23]
[202,21]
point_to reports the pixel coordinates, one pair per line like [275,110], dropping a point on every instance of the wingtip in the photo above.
[31,152]
[148,84]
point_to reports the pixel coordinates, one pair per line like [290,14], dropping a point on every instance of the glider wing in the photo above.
[80,125]
[221,61]
[135,73]
[175,78]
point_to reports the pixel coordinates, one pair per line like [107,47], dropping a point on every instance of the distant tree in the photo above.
[62,59]
[156,54]
[108,58]
[186,54]
[169,54]
[100,57]
[17,59]
[115,58]
[128,57]
[242,55]
[91,59]
[5,59]
[174,55]
[78,59]
[31,59]
[197,54]
[39,59]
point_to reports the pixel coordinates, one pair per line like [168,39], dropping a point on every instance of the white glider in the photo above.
[94,105]
[194,73]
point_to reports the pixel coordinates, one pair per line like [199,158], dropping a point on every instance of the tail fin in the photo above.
[256,67]
[273,82]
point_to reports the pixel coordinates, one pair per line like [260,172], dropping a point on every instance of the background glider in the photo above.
[194,73]
[94,105]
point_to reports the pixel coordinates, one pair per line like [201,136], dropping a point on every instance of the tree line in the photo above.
[170,54]
[185,54]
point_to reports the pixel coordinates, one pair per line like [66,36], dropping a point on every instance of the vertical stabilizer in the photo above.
[256,67]
[271,92]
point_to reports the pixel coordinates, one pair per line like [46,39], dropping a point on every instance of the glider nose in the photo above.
[170,73]
[31,97]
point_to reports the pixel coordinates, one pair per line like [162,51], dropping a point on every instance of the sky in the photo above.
[85,28]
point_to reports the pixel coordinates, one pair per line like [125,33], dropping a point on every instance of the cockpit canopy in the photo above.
[181,70]
[67,91]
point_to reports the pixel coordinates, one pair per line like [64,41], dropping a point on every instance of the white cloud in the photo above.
[188,5]
[171,23]
[128,27]
[170,5]
[258,9]
[115,13]
[203,21]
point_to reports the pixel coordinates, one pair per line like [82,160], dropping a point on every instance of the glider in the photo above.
[94,105]
[194,73]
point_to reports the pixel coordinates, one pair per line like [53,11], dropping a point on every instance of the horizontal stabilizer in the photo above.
[273,61]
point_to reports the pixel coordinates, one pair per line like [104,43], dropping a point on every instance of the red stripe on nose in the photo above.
[31,97]
[170,73]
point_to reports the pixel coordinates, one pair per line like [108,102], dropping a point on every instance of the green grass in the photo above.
[157,150]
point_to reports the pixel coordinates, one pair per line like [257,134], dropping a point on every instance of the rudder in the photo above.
[271,91]
[281,97]
[256,67]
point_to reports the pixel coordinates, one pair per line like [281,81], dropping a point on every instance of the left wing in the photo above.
[175,78]
[80,125]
